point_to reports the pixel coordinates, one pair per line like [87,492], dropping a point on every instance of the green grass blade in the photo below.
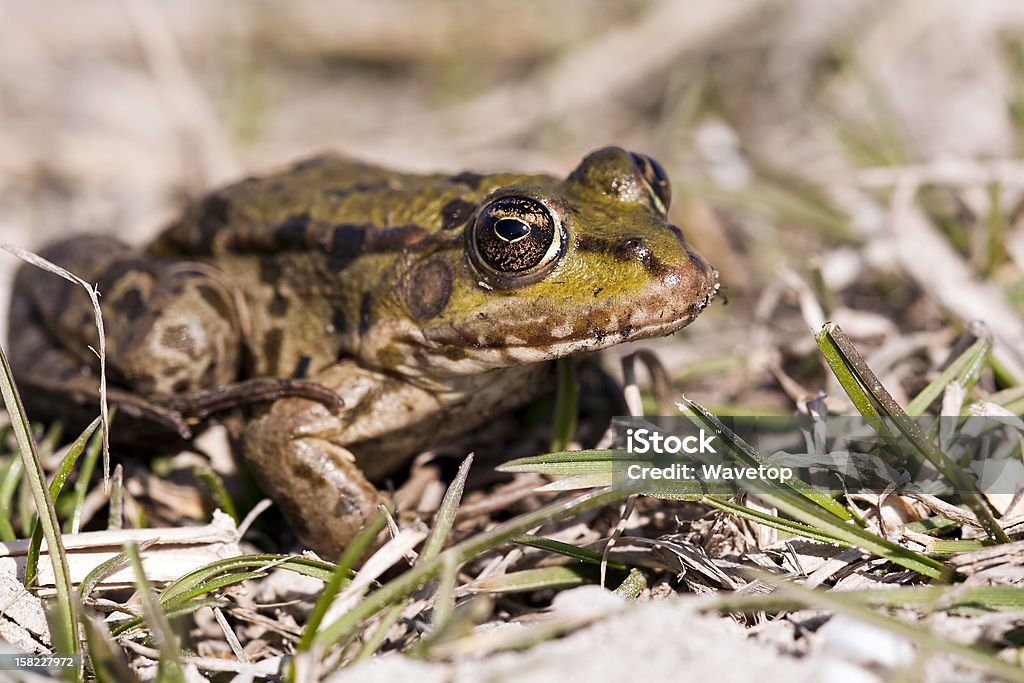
[398,588]
[846,362]
[66,617]
[564,421]
[445,517]
[966,369]
[339,578]
[773,521]
[92,454]
[544,578]
[108,661]
[744,453]
[9,484]
[218,492]
[56,486]
[566,549]
[105,569]
[170,665]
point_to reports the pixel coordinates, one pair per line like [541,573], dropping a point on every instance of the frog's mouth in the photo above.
[494,340]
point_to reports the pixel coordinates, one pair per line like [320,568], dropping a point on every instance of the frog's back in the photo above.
[290,209]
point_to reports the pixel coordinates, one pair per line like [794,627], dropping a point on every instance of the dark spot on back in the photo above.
[181,386]
[272,342]
[212,216]
[455,213]
[117,270]
[270,270]
[339,323]
[364,313]
[346,243]
[302,367]
[471,180]
[177,337]
[130,303]
[589,243]
[292,231]
[311,162]
[427,288]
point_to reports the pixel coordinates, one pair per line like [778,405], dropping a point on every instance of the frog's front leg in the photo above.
[319,466]
[298,451]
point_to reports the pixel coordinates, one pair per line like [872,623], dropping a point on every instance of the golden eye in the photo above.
[655,178]
[514,240]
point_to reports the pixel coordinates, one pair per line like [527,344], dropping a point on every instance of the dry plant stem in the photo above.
[262,669]
[101,352]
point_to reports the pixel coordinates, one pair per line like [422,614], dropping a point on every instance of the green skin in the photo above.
[412,297]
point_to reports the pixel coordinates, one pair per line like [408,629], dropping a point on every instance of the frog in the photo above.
[366,314]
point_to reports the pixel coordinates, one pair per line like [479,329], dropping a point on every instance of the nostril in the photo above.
[633,249]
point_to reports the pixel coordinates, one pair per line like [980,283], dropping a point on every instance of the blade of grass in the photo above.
[92,453]
[445,517]
[11,480]
[807,510]
[66,617]
[568,550]
[411,580]
[115,510]
[101,351]
[966,368]
[443,521]
[105,569]
[564,421]
[56,485]
[848,365]
[215,485]
[341,576]
[544,578]
[170,669]
[108,661]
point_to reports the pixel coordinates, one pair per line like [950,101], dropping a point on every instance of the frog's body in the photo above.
[427,302]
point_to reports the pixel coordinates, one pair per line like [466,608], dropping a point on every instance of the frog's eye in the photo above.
[514,241]
[655,178]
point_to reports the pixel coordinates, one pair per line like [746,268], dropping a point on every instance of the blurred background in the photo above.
[850,159]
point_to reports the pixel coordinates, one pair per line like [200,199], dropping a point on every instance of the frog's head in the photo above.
[549,268]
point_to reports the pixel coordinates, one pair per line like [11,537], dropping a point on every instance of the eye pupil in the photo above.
[514,240]
[511,229]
